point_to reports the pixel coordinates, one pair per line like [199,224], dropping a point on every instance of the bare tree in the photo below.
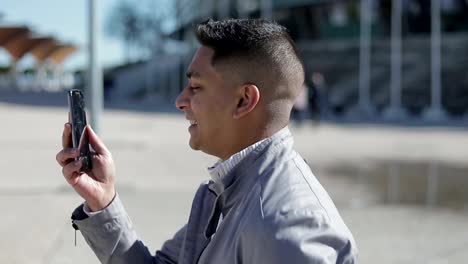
[140,27]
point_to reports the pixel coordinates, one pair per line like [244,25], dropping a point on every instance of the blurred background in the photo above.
[382,119]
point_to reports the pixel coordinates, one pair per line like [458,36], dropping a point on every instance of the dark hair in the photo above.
[262,51]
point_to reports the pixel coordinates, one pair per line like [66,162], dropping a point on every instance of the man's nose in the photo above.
[181,101]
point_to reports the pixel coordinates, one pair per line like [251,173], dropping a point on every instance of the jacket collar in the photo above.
[241,178]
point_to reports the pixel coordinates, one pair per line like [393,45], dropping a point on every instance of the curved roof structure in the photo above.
[8,34]
[42,51]
[20,46]
[62,52]
[19,40]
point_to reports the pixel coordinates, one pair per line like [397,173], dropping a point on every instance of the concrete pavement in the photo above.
[158,174]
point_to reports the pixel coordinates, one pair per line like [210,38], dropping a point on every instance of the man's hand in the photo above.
[97,186]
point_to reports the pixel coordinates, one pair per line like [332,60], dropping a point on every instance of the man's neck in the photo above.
[250,139]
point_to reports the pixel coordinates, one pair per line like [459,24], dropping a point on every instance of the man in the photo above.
[263,204]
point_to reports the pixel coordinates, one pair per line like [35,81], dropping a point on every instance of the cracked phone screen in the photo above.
[77,118]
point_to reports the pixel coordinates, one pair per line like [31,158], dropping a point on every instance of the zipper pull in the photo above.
[76,228]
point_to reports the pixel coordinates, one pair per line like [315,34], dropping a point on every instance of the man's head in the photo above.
[246,76]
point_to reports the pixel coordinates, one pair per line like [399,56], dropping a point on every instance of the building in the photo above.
[377,58]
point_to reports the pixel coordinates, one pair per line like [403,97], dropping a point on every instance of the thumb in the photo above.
[96,142]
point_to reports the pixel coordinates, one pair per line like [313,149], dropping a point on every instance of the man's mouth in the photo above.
[193,122]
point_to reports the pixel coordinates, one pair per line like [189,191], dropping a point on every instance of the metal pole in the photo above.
[13,75]
[41,75]
[435,51]
[241,12]
[364,58]
[395,110]
[94,92]
[175,79]
[266,9]
[435,111]
[207,8]
[223,9]
[149,74]
[58,77]
[396,54]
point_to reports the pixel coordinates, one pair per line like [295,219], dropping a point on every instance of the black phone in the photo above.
[77,118]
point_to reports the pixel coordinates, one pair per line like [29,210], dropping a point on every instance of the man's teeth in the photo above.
[193,122]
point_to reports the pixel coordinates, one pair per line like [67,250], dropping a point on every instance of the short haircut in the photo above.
[259,51]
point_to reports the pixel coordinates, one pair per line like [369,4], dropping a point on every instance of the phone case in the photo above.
[78,122]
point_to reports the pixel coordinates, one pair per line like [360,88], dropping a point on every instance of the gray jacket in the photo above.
[274,211]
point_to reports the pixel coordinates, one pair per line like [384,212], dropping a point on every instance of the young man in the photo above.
[263,204]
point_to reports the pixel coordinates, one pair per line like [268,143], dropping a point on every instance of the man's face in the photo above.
[208,101]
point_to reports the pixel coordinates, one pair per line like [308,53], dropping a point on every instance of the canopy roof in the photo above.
[20,40]
[62,52]
[42,51]
[20,46]
[8,34]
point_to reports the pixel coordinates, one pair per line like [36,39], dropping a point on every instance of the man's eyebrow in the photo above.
[191,74]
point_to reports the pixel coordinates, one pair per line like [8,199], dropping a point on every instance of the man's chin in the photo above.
[194,145]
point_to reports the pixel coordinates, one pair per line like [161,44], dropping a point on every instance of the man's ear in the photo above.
[247,101]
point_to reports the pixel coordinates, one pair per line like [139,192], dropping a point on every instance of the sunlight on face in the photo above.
[208,101]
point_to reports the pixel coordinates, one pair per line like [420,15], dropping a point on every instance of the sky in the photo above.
[66,20]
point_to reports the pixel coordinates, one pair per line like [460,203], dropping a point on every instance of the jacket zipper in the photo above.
[76,229]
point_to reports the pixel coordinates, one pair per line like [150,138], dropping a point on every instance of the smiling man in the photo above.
[262,204]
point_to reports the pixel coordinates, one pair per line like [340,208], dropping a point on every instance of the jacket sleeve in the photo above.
[298,237]
[111,236]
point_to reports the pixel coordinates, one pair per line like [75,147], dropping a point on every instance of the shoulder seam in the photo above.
[308,184]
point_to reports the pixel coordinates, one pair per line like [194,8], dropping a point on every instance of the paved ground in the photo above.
[158,174]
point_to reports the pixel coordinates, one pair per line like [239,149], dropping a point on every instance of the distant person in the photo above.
[108,85]
[262,204]
[301,105]
[320,105]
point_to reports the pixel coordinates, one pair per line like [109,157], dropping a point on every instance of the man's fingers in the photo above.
[71,169]
[66,136]
[64,156]
[96,142]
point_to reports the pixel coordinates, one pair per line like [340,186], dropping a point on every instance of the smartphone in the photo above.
[77,119]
